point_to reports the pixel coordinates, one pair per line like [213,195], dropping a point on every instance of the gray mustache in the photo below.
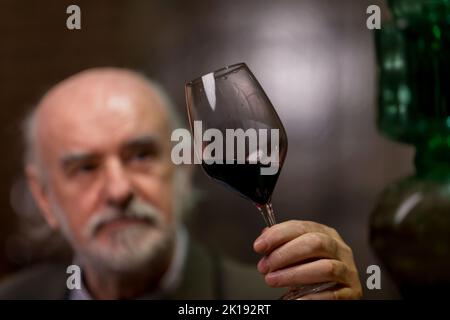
[136,209]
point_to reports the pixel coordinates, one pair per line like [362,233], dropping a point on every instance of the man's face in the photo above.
[106,156]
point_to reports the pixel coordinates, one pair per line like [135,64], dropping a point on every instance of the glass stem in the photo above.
[267,213]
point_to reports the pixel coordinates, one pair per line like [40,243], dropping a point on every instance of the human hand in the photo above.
[304,252]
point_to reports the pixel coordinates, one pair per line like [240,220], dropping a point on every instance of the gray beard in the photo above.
[129,250]
[133,249]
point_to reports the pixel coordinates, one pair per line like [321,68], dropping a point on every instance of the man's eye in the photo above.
[140,155]
[86,168]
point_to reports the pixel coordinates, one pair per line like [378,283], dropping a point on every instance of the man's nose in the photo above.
[117,185]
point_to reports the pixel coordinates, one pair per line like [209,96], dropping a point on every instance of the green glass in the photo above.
[414,61]
[410,226]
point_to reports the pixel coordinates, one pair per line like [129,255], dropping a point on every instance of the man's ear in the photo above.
[184,177]
[39,191]
[183,186]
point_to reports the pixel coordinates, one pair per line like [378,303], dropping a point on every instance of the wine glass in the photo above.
[240,140]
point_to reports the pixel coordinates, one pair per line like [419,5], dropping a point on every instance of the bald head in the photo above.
[87,98]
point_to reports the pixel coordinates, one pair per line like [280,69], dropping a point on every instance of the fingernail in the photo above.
[263,267]
[260,244]
[273,277]
[275,274]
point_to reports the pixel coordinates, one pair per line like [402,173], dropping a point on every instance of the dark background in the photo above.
[315,59]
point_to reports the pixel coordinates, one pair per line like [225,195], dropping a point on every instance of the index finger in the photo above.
[281,233]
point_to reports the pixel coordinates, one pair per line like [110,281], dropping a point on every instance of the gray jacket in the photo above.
[205,276]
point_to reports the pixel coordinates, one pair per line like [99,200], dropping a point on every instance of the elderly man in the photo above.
[99,168]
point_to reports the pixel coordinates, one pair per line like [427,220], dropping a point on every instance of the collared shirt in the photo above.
[170,280]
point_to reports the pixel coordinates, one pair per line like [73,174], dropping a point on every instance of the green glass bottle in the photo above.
[410,226]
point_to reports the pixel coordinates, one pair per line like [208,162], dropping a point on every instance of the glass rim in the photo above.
[219,72]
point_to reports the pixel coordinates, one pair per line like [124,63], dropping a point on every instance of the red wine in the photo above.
[245,179]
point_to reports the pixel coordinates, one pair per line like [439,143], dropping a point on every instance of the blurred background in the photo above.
[314,58]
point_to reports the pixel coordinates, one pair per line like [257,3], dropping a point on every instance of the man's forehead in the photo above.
[85,111]
[100,91]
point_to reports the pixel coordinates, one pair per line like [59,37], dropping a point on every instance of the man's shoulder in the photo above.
[211,275]
[43,281]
